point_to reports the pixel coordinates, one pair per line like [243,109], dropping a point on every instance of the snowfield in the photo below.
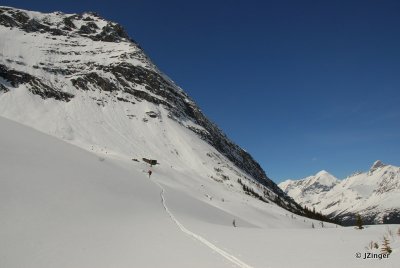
[80,106]
[62,206]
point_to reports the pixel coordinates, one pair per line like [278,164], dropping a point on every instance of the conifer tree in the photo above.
[386,246]
[359,222]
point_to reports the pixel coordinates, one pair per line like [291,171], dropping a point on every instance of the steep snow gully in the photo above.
[199,238]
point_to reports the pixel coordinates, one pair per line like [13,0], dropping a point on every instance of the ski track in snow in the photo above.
[199,238]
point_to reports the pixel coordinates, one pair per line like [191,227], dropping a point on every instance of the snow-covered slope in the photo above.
[82,79]
[61,206]
[374,194]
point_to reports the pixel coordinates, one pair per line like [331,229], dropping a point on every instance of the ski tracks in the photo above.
[199,238]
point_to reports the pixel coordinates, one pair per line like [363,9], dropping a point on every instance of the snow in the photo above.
[309,191]
[199,238]
[62,206]
[71,196]
[374,191]
[33,49]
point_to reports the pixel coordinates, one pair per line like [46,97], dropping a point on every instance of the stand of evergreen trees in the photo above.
[249,191]
[318,216]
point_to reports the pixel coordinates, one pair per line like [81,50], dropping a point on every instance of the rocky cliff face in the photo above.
[72,61]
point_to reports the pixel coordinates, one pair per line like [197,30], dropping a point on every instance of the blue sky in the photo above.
[301,85]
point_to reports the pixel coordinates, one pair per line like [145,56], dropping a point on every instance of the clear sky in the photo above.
[301,85]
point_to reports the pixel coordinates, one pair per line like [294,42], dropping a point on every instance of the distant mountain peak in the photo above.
[377,164]
[322,172]
[325,178]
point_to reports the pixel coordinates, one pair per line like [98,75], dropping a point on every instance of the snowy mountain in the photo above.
[309,189]
[374,194]
[82,79]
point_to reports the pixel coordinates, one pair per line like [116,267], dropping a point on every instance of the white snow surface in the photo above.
[62,206]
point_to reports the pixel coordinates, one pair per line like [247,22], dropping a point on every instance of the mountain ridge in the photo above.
[373,194]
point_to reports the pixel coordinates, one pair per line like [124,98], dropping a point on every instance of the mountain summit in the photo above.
[377,164]
[81,78]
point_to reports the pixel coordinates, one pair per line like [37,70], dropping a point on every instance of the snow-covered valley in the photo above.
[62,206]
[81,105]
